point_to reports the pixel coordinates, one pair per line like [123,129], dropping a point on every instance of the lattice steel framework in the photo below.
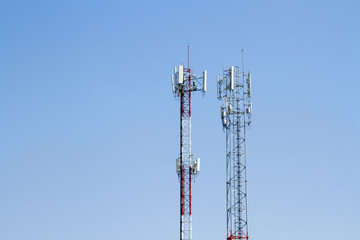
[236,116]
[185,159]
[187,166]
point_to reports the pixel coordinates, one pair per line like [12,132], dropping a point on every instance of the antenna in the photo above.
[218,86]
[188,47]
[181,74]
[204,81]
[242,59]
[173,84]
[249,84]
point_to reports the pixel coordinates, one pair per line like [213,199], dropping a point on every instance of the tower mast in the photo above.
[236,116]
[187,165]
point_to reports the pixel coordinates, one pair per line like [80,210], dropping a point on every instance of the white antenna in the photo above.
[178,165]
[181,74]
[176,75]
[249,84]
[227,104]
[217,86]
[204,80]
[248,109]
[223,116]
[172,83]
[232,78]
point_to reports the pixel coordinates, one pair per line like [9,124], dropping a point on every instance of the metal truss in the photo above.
[236,116]
[185,159]
[187,166]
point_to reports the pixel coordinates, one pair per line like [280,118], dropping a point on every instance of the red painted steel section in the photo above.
[244,236]
[182,191]
[185,168]
[190,189]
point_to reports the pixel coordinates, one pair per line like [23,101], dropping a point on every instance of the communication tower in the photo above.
[234,88]
[184,83]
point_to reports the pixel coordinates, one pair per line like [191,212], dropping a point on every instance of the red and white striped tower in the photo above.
[184,83]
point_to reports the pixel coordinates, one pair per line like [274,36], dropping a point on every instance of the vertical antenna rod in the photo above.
[187,165]
[236,116]
[188,56]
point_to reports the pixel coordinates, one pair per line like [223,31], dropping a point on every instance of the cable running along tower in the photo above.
[184,83]
[234,88]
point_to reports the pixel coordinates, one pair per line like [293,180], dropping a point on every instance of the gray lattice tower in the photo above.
[235,91]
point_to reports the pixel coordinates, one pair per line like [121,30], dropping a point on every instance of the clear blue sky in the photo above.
[90,129]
